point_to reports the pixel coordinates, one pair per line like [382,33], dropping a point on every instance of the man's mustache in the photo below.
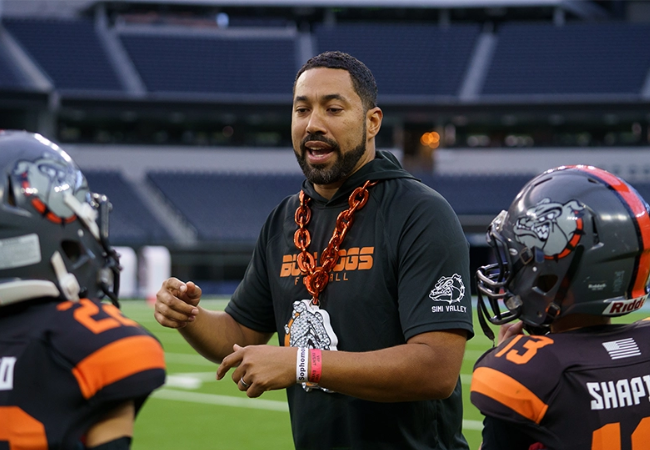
[318,137]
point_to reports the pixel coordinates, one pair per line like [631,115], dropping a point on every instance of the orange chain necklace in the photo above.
[316,278]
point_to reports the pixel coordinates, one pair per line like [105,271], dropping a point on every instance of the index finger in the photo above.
[191,293]
[230,361]
[171,296]
[173,285]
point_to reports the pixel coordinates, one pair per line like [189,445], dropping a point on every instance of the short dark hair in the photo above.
[363,81]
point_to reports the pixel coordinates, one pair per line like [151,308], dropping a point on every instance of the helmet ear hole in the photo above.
[72,250]
[10,198]
[595,230]
[546,282]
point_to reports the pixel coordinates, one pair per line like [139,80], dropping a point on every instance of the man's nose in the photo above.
[316,124]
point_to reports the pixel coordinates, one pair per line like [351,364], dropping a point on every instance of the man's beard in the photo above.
[342,167]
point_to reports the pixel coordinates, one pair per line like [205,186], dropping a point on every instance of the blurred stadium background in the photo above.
[179,110]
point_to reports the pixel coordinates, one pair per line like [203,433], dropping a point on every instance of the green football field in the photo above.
[194,411]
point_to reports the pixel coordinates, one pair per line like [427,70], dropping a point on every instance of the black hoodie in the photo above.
[403,270]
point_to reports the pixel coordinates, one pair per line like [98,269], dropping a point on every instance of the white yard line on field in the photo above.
[253,403]
[472,424]
[194,380]
[223,400]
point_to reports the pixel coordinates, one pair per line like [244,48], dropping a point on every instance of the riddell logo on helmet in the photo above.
[354,258]
[624,306]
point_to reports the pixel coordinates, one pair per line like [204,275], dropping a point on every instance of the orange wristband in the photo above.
[316,365]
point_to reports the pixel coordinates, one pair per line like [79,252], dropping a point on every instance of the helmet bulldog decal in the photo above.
[555,228]
[47,181]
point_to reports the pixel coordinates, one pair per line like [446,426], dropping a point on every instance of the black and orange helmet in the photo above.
[576,239]
[53,229]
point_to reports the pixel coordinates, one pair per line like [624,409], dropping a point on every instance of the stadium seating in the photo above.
[475,195]
[425,60]
[575,59]
[68,50]
[478,194]
[131,221]
[225,207]
[233,207]
[406,59]
[416,62]
[202,64]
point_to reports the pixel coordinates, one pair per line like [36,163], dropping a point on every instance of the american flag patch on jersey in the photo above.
[623,348]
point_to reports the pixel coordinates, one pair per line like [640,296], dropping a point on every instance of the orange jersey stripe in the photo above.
[509,392]
[21,430]
[116,361]
[643,222]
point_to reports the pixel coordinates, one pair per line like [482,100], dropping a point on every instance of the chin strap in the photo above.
[109,284]
[67,282]
[482,320]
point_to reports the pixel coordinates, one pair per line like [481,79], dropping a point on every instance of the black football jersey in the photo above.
[65,365]
[586,389]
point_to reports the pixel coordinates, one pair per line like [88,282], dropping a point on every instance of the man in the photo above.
[364,275]
[572,251]
[73,371]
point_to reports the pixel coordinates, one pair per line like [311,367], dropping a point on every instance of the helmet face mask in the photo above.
[53,230]
[576,240]
[493,279]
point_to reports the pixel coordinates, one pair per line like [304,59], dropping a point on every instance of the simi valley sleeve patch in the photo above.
[451,290]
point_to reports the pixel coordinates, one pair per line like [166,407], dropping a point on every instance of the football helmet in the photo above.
[53,230]
[576,239]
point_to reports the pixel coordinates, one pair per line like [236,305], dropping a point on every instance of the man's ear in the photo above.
[374,117]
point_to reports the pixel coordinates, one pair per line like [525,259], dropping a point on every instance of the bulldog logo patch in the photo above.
[448,289]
